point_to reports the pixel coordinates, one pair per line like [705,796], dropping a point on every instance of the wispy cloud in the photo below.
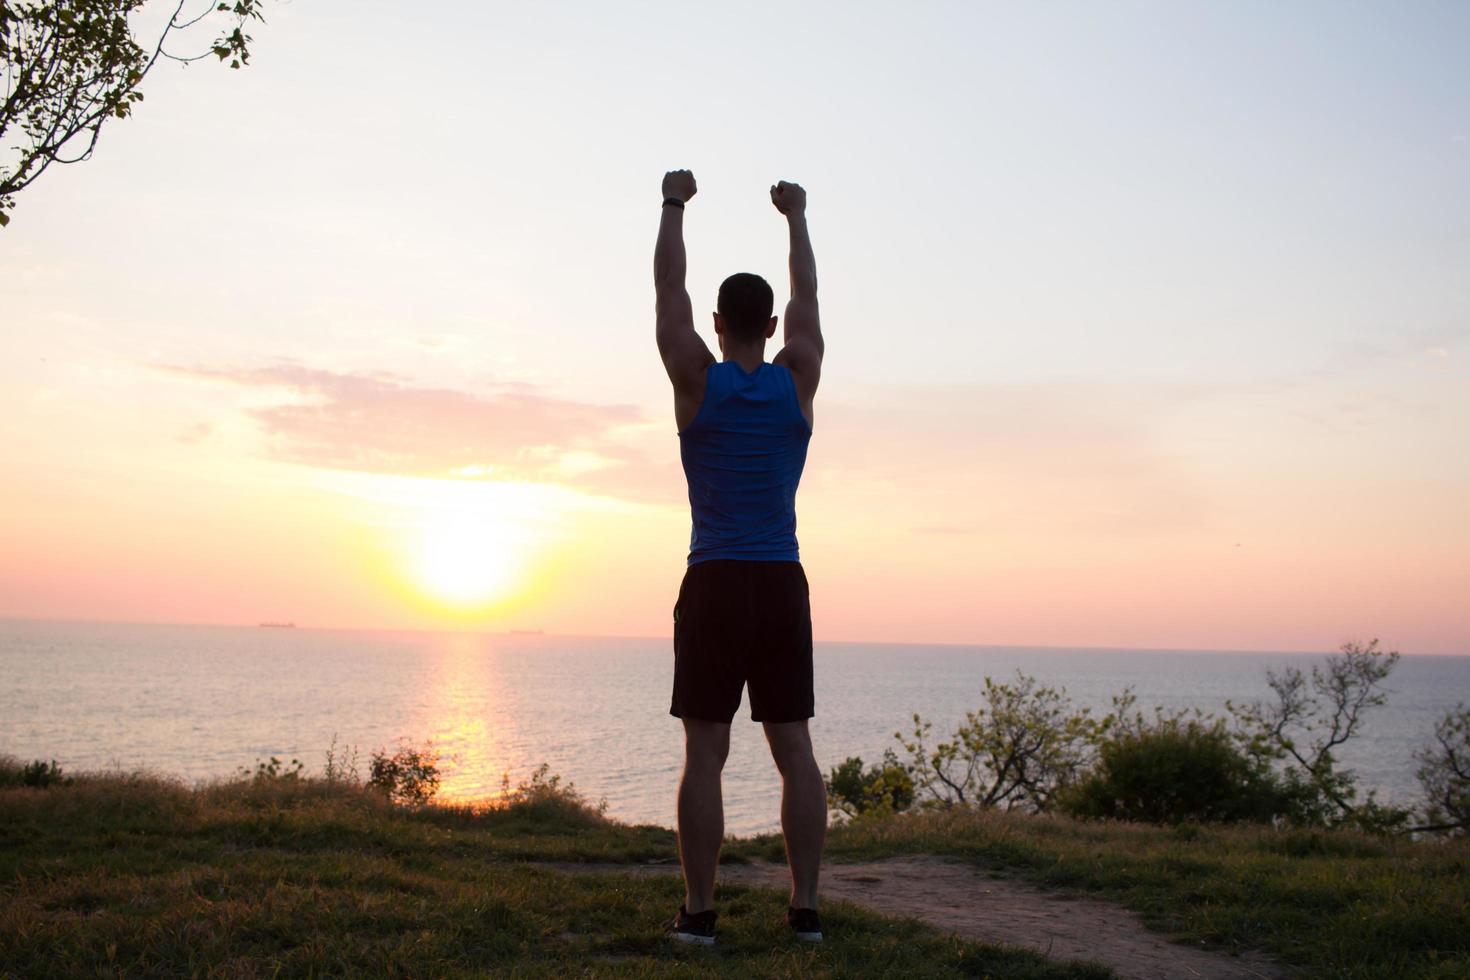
[380,422]
[966,458]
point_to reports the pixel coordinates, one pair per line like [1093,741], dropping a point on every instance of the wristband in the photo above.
[675,202]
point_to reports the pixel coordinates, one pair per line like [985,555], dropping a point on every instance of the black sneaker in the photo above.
[805,923]
[697,928]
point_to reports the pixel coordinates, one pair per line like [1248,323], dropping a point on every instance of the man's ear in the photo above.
[719,324]
[771,328]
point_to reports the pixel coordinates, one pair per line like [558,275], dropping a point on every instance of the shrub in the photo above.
[544,798]
[35,774]
[1444,772]
[410,776]
[1300,731]
[1174,771]
[272,771]
[882,789]
[1021,746]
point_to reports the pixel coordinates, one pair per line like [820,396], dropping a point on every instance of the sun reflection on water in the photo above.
[461,717]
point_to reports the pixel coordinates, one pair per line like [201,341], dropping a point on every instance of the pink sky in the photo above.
[1127,347]
[1033,514]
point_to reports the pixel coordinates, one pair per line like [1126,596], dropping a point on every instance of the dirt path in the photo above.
[959,899]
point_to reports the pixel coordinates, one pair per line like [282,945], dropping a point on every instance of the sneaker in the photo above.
[805,923]
[696,928]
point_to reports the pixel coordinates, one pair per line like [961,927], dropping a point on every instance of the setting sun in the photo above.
[464,545]
[466,559]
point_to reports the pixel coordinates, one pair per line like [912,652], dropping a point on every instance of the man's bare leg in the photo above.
[701,810]
[803,807]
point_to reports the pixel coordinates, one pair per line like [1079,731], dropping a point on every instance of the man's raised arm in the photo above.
[684,354]
[804,347]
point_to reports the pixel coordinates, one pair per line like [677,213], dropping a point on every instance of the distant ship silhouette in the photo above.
[280,626]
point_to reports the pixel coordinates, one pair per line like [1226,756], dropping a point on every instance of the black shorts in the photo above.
[739,623]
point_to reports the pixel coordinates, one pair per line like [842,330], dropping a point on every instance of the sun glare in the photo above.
[466,559]
[464,547]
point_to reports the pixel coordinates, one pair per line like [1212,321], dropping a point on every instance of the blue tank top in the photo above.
[743,455]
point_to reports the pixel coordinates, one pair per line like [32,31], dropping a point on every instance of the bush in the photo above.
[1301,731]
[543,797]
[1174,771]
[409,776]
[1016,751]
[881,790]
[1444,772]
[272,771]
[35,774]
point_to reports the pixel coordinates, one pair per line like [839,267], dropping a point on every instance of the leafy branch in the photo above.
[69,67]
[1023,745]
[1444,773]
[1309,719]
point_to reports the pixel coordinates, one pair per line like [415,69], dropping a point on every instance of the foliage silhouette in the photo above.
[409,776]
[1444,773]
[69,67]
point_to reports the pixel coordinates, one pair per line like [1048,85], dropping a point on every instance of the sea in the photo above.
[204,702]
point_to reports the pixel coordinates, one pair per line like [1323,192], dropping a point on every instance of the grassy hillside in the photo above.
[109,875]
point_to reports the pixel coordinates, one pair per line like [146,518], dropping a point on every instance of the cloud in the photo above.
[967,458]
[382,423]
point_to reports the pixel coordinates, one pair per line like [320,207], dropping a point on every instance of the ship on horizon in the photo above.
[279,626]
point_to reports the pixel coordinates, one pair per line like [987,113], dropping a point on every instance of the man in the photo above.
[743,616]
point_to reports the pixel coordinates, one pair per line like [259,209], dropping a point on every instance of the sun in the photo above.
[463,548]
[466,558]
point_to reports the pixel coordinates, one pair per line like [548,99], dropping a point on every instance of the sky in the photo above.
[1148,324]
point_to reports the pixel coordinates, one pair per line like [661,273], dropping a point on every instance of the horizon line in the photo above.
[625,636]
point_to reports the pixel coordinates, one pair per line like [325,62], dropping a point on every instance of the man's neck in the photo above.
[748,357]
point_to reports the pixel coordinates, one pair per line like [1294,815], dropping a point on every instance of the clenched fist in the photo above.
[679,184]
[789,198]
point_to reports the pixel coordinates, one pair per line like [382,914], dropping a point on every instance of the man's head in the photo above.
[743,310]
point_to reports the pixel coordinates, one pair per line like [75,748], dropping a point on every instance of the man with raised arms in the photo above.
[743,616]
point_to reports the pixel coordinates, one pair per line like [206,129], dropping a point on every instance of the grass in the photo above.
[1334,904]
[139,874]
[125,875]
